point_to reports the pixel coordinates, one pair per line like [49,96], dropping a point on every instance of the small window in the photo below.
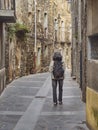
[46,33]
[46,50]
[55,24]
[10,40]
[67,51]
[45,25]
[39,56]
[39,16]
[45,20]
[30,17]
[55,35]
[93,47]
[30,5]
[62,31]
[56,28]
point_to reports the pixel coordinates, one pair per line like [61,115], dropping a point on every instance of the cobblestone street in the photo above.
[26,104]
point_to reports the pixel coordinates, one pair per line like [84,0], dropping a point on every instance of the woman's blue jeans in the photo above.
[54,86]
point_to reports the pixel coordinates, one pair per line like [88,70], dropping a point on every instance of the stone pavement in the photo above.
[26,104]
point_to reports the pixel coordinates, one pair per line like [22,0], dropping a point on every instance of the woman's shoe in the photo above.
[55,103]
[60,103]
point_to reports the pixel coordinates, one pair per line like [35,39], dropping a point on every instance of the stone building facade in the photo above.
[62,31]
[75,40]
[16,43]
[79,47]
[20,53]
[44,34]
[92,64]
[44,17]
[7,15]
[85,48]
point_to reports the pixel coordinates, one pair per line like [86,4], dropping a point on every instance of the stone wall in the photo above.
[92,95]
[24,60]
[92,27]
[79,44]
[2,57]
[84,50]
[92,65]
[87,53]
[63,41]
[14,48]
[75,45]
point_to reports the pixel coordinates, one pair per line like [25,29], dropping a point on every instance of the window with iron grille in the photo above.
[7,4]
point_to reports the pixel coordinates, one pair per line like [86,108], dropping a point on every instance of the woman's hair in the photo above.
[57,56]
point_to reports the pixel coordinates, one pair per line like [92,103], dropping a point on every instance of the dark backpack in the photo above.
[58,70]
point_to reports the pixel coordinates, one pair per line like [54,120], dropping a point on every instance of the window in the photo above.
[30,17]
[46,25]
[45,20]
[30,5]
[68,6]
[67,51]
[39,16]
[56,28]
[56,24]
[39,56]
[46,33]
[6,4]
[46,50]
[62,31]
[93,48]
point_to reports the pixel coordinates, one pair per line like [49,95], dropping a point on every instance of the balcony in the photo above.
[7,11]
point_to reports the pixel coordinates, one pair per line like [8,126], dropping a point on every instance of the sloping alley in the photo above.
[26,104]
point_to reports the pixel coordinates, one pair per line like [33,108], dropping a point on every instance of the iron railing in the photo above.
[7,4]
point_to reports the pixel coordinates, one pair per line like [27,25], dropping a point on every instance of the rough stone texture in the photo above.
[7,59]
[75,40]
[2,56]
[92,26]
[63,43]
[21,58]
[84,52]
[92,81]
[3,20]
[92,108]
[79,44]
[19,52]
[88,52]
[46,42]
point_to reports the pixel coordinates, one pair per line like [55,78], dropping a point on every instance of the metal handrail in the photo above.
[7,4]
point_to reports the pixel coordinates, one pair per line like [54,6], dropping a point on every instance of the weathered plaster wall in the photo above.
[92,95]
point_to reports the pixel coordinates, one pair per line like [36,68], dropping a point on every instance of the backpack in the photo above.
[58,70]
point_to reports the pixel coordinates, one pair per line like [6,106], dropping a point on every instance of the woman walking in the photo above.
[57,69]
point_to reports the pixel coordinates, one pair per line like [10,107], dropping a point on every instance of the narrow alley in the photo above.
[31,31]
[26,104]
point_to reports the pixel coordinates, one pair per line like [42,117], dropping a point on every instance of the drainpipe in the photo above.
[35,26]
[80,42]
[35,49]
